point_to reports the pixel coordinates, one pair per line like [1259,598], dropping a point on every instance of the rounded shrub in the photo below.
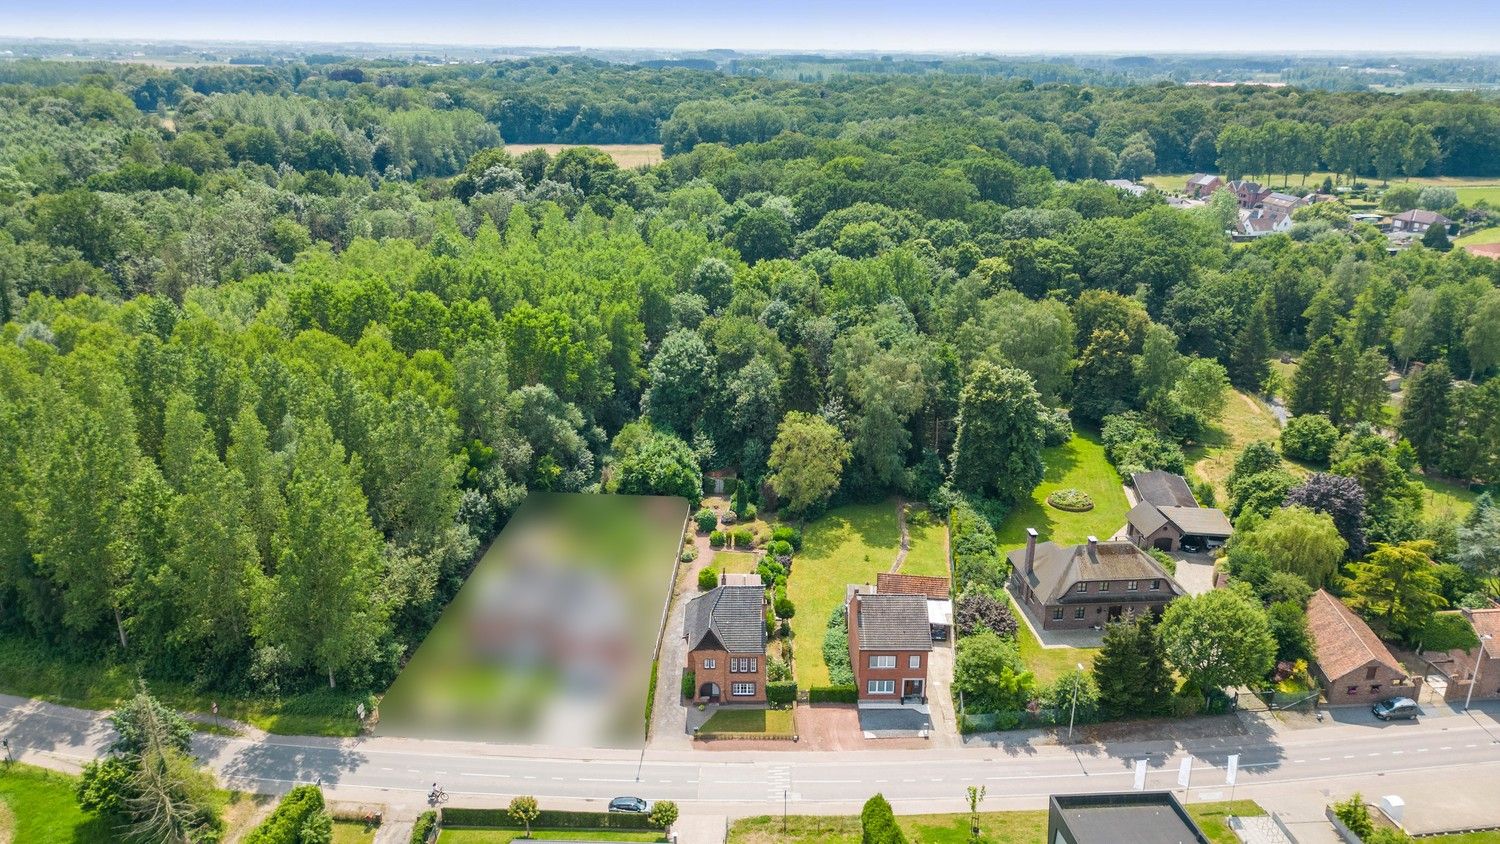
[706,519]
[708,578]
[1071,500]
[716,539]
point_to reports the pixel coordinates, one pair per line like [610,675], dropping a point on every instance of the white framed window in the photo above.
[1132,585]
[1057,614]
[881,687]
[914,661]
[1078,613]
[710,663]
[1104,586]
[742,689]
[882,660]
[743,665]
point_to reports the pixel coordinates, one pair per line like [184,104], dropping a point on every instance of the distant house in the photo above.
[725,629]
[1249,194]
[1074,587]
[1478,665]
[1418,221]
[1180,203]
[890,643]
[937,591]
[1258,222]
[1168,517]
[1353,665]
[1281,204]
[1128,186]
[1201,185]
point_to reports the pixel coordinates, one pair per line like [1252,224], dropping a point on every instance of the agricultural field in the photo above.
[583,578]
[1079,464]
[626,156]
[1490,235]
[850,544]
[1470,190]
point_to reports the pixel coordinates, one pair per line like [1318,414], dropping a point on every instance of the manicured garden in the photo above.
[770,721]
[1048,664]
[735,562]
[1078,464]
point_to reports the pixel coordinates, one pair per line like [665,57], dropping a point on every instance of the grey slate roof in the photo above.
[893,623]
[1058,568]
[730,616]
[1198,521]
[1163,489]
[1146,518]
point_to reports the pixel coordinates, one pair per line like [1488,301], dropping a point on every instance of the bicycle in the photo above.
[436,797]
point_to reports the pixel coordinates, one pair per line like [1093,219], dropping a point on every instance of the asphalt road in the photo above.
[1021,771]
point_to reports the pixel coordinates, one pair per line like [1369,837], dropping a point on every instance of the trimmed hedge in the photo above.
[832,694]
[650,697]
[424,827]
[547,819]
[781,693]
[284,825]
[689,683]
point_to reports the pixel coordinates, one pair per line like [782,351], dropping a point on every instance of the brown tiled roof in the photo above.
[888,583]
[1422,215]
[1344,641]
[893,623]
[1487,623]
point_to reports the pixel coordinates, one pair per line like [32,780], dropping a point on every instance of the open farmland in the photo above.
[626,156]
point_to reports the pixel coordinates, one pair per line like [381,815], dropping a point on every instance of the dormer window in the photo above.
[1082,587]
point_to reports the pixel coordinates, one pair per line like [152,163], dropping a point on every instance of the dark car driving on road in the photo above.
[1395,709]
[633,805]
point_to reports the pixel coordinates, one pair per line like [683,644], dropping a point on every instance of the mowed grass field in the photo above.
[1021,827]
[1244,420]
[627,156]
[850,544]
[1490,235]
[1080,464]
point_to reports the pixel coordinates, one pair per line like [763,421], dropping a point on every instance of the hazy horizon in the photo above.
[967,26]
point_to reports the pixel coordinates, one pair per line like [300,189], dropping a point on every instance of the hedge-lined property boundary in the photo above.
[833,694]
[546,819]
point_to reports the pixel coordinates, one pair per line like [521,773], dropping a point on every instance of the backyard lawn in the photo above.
[735,562]
[850,544]
[751,721]
[927,551]
[1022,827]
[1078,463]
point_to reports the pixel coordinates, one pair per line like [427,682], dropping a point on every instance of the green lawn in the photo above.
[352,832]
[1445,498]
[751,721]
[32,669]
[1489,235]
[1047,664]
[927,552]
[735,562]
[1244,419]
[1078,463]
[505,836]
[1022,827]
[42,808]
[850,544]
[1488,837]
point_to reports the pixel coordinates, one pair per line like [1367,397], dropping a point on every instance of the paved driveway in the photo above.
[669,718]
[1195,572]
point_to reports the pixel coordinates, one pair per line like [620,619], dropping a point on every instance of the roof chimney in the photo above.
[1094,545]
[1030,550]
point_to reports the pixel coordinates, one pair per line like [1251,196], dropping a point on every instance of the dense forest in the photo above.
[283,347]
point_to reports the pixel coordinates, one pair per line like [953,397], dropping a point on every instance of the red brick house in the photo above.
[890,643]
[1248,193]
[1353,665]
[1418,221]
[725,629]
[1203,185]
[1077,587]
[1479,666]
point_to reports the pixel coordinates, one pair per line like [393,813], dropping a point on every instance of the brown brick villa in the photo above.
[726,639]
[1075,587]
[1353,665]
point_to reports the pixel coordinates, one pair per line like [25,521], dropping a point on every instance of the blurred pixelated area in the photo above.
[551,638]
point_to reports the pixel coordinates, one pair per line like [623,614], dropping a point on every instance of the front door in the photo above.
[913,688]
[1114,612]
[709,692]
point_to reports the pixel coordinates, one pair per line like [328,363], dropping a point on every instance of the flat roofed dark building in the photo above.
[1129,817]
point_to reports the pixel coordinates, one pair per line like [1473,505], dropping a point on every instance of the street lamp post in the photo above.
[1073,710]
[1478,664]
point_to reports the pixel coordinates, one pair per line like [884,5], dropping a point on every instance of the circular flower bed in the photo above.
[1071,500]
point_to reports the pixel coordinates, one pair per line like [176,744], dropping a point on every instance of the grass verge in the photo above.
[505,836]
[42,807]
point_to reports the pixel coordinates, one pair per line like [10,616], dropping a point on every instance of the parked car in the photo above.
[1396,709]
[631,805]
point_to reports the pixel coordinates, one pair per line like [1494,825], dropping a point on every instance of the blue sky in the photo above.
[1009,26]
